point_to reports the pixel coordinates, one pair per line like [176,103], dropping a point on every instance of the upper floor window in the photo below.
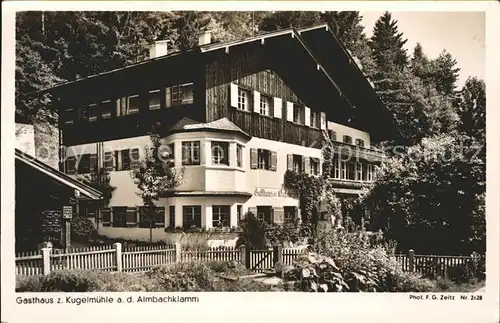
[263,159]
[298,114]
[297,163]
[69,115]
[314,166]
[154,100]
[93,112]
[220,153]
[314,119]
[265,105]
[347,139]
[133,104]
[243,99]
[336,169]
[360,142]
[190,153]
[332,135]
[107,108]
[359,171]
[179,94]
[239,155]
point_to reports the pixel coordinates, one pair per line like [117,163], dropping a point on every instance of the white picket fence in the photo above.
[138,259]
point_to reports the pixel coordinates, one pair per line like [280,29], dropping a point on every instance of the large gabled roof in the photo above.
[336,68]
[58,176]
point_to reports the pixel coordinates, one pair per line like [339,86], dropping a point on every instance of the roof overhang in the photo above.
[56,175]
[371,112]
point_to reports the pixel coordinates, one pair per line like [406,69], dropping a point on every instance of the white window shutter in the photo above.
[234,95]
[256,101]
[278,107]
[289,111]
[323,121]
[307,116]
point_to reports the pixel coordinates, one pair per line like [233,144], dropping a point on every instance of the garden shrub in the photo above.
[366,264]
[191,276]
[60,281]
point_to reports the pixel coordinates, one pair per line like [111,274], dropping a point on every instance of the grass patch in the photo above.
[446,285]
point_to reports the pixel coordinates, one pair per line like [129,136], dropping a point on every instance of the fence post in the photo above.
[46,260]
[411,260]
[118,247]
[177,252]
[277,254]
[243,255]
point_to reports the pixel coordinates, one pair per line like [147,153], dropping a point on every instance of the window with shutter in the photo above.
[263,159]
[274,161]
[106,217]
[297,163]
[119,217]
[131,217]
[253,158]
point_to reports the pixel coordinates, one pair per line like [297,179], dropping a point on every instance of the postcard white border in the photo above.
[255,307]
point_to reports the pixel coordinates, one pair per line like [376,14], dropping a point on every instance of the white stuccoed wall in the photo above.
[342,130]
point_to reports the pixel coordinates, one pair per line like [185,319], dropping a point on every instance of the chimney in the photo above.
[204,38]
[158,49]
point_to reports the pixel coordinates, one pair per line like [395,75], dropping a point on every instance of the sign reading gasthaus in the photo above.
[274,192]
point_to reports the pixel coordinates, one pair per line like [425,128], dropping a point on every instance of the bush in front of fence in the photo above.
[86,281]
[364,264]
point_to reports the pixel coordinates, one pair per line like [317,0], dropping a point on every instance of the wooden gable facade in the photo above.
[282,65]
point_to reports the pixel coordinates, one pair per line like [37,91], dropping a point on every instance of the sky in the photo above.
[460,33]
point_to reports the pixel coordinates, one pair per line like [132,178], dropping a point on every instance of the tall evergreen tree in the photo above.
[446,73]
[387,44]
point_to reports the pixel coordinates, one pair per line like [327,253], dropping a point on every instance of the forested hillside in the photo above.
[420,92]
